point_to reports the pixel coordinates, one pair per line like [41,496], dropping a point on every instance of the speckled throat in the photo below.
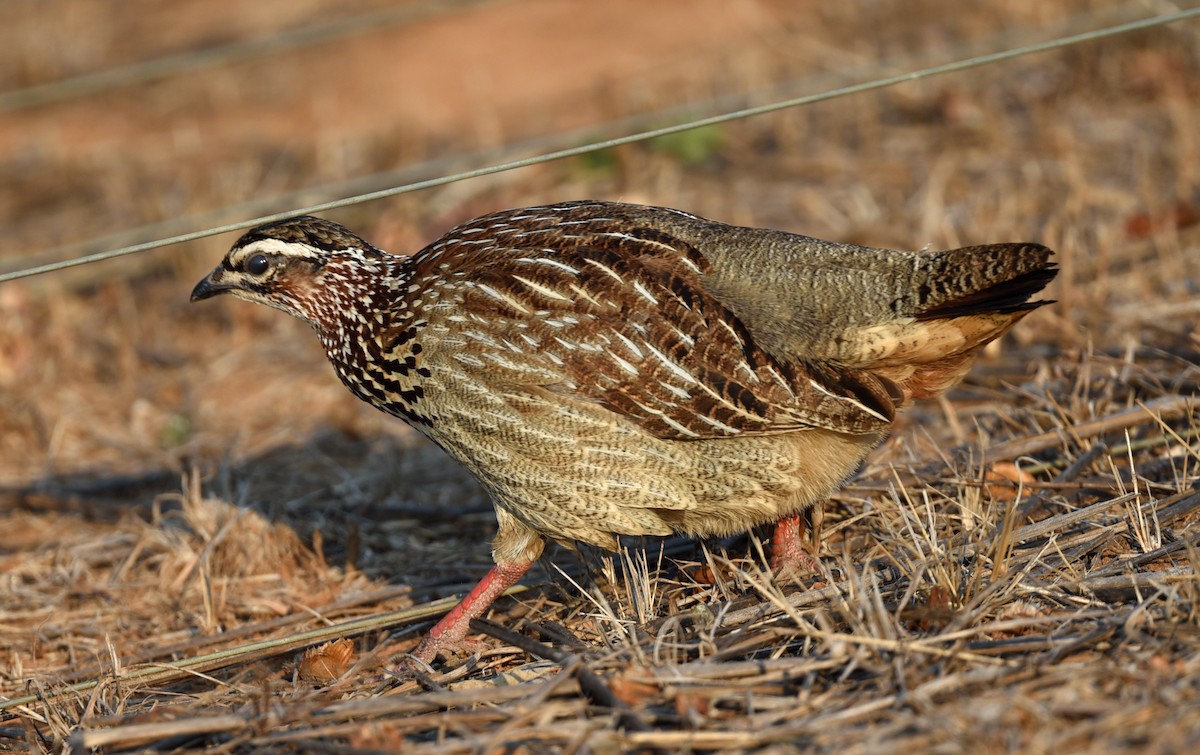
[369,330]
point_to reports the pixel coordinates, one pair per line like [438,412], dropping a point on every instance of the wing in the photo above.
[811,300]
[616,313]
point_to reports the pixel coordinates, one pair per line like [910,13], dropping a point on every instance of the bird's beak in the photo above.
[212,285]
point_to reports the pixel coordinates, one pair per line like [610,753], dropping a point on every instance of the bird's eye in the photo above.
[257,265]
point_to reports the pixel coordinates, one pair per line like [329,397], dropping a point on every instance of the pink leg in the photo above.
[788,549]
[454,626]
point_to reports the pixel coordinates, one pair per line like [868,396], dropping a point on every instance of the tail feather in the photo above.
[997,278]
[970,297]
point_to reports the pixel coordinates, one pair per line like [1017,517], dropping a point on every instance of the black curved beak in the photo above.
[211,286]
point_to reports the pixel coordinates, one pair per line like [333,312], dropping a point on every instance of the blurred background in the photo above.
[174,116]
[131,120]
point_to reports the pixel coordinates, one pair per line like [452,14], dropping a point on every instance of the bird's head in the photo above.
[311,268]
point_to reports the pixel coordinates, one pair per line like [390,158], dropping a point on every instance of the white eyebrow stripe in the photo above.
[283,248]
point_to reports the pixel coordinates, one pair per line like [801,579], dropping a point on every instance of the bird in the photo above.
[608,369]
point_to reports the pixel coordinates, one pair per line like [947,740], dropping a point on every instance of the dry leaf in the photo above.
[630,686]
[937,611]
[327,662]
[691,706]
[704,575]
[381,736]
[1145,224]
[1007,477]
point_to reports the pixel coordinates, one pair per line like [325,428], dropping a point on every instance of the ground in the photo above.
[191,505]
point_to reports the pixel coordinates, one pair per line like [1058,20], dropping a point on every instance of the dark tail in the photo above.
[997,278]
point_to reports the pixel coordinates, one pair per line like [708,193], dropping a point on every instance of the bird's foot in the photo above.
[790,554]
[450,633]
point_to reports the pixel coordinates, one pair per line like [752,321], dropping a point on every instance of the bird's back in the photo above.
[914,318]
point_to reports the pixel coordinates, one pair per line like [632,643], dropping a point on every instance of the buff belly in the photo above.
[572,471]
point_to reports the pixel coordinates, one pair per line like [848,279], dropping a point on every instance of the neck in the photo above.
[357,294]
[358,325]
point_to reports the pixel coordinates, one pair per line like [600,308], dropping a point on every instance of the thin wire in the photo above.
[961,65]
[543,143]
[172,65]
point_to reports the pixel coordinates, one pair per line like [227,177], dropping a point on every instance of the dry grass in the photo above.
[205,543]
